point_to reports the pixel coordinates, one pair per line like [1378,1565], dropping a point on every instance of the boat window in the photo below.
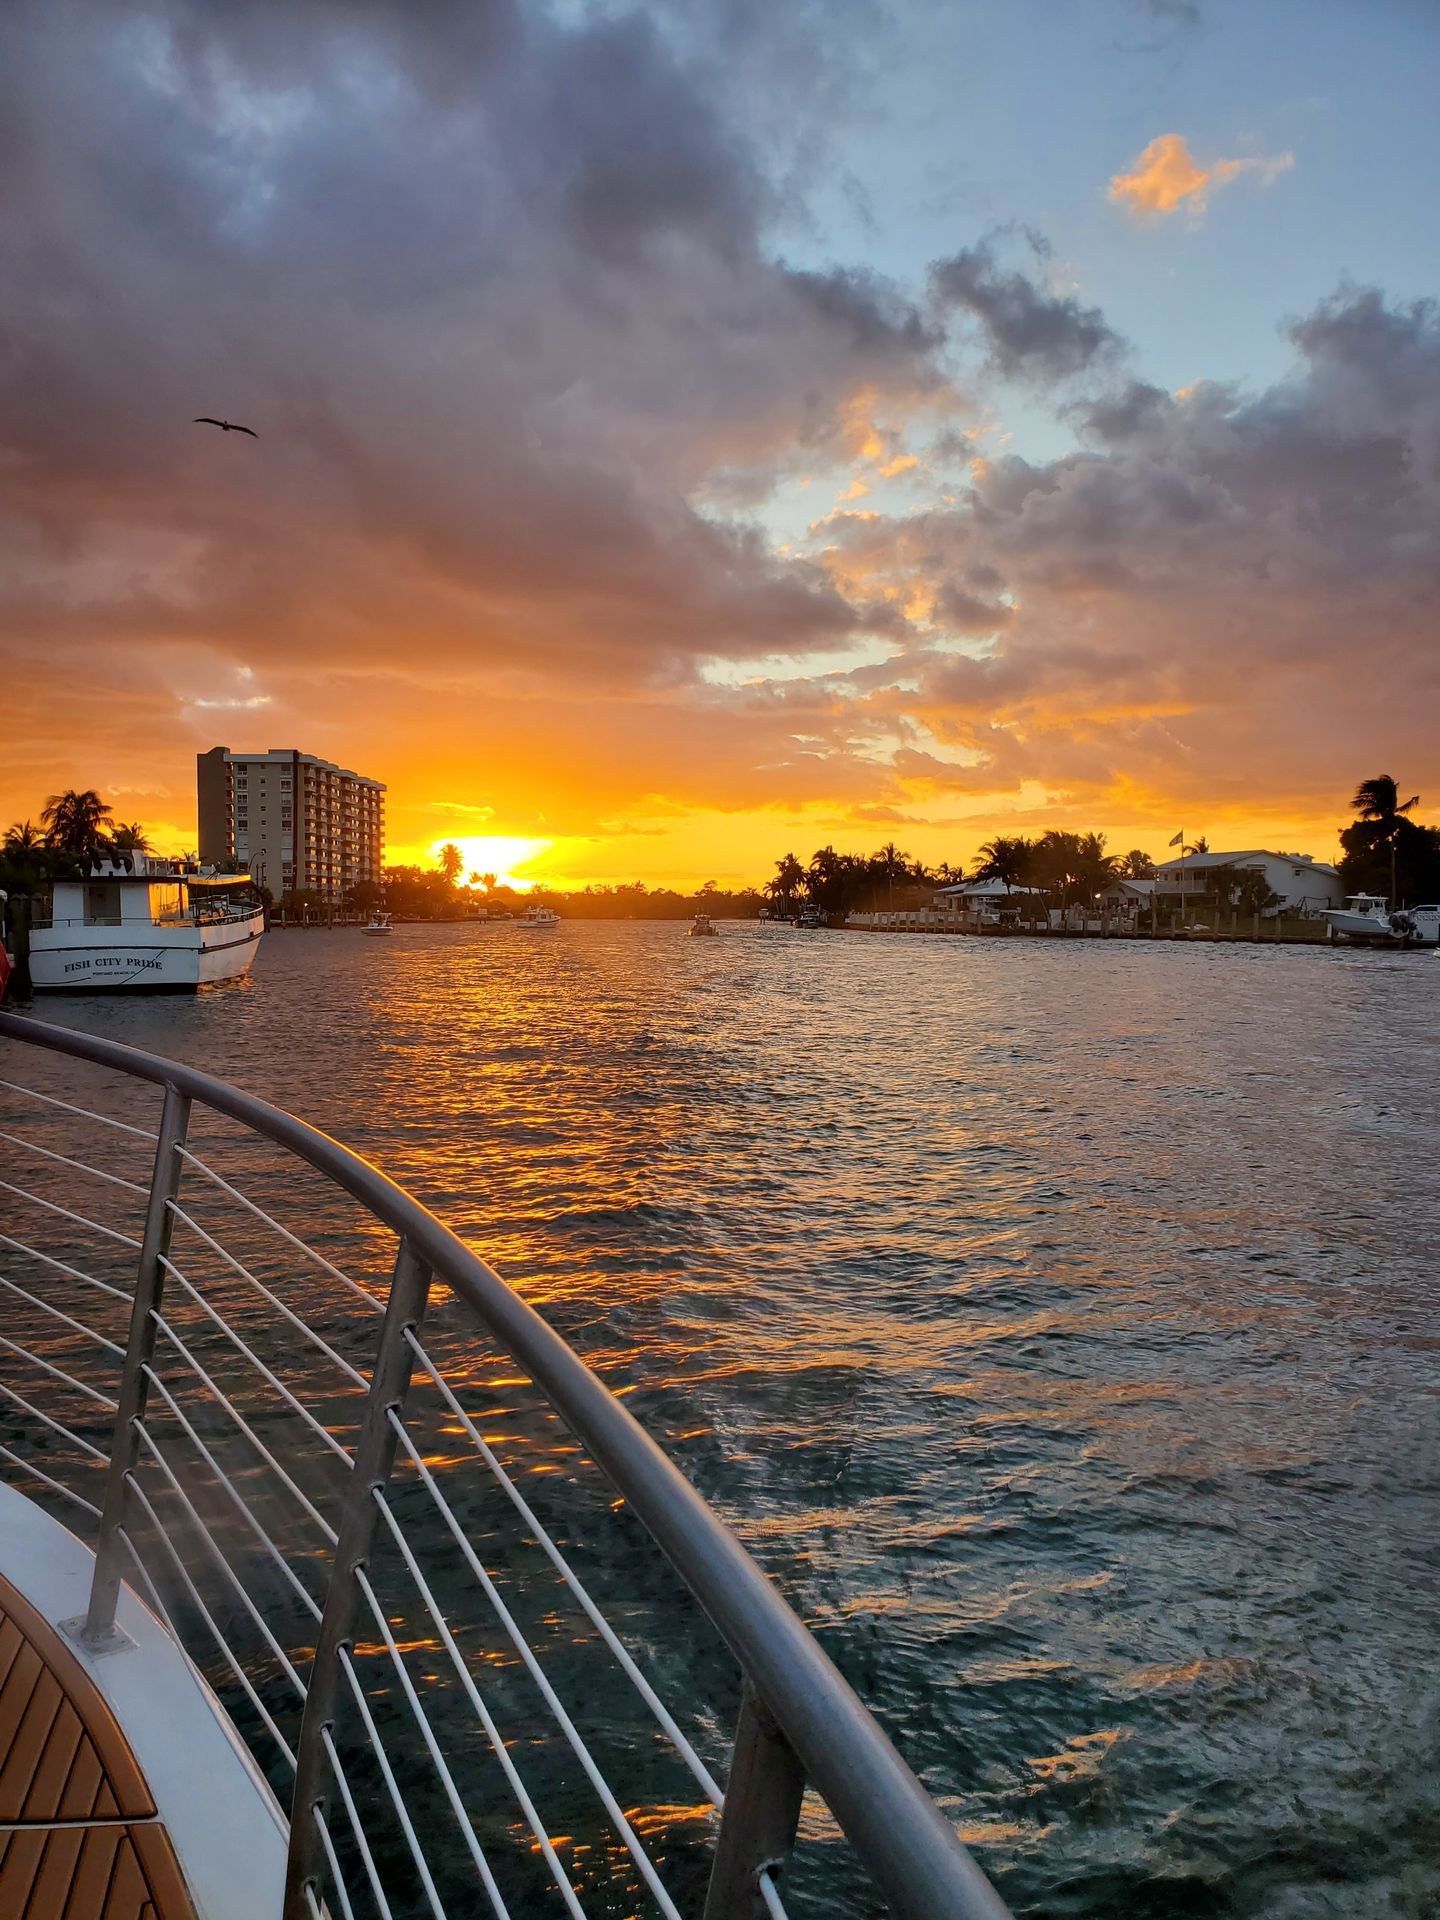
[102,904]
[164,903]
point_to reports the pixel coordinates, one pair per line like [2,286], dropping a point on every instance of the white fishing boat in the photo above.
[377,926]
[136,922]
[704,928]
[1364,921]
[539,917]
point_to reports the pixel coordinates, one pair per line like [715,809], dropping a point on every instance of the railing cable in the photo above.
[90,1393]
[492,1732]
[537,1674]
[116,1293]
[347,1911]
[770,1894]
[157,1605]
[397,1799]
[218,1555]
[602,1626]
[80,1166]
[64,1431]
[317,1427]
[80,1219]
[301,1326]
[259,1445]
[375,1306]
[88,1333]
[457,1805]
[233,1493]
[133,1482]
[58,1486]
[120,1126]
[367,1859]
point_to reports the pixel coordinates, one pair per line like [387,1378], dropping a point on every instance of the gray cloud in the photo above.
[493,289]
[1030,334]
[1231,593]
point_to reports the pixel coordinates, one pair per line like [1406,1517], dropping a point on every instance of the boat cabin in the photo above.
[137,889]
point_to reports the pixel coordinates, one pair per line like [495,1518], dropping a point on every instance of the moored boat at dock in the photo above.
[1365,921]
[136,923]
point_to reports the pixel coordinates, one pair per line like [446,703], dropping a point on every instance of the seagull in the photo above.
[225,426]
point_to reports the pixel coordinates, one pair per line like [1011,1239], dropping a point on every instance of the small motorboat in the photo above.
[1364,920]
[810,916]
[539,917]
[377,924]
[704,928]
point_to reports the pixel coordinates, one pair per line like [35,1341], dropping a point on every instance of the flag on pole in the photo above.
[1179,839]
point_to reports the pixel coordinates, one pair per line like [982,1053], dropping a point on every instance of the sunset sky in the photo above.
[692,431]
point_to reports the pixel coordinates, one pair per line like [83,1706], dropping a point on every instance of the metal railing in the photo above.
[285,1470]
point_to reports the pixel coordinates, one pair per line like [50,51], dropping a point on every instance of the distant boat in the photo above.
[810,916]
[539,917]
[1364,921]
[377,925]
[135,922]
[704,927]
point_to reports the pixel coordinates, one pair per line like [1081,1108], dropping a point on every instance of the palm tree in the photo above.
[23,840]
[451,863]
[129,837]
[789,879]
[1136,865]
[1378,800]
[889,863]
[1007,859]
[76,822]
[1382,821]
[24,866]
[1096,867]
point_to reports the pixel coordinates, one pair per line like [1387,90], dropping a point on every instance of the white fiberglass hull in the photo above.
[175,959]
[1420,928]
[1358,926]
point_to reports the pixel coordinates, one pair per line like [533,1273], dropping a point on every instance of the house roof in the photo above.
[983,889]
[1298,862]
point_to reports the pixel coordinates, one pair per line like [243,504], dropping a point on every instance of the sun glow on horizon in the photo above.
[501,854]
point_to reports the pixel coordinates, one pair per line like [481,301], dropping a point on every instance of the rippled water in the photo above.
[1056,1322]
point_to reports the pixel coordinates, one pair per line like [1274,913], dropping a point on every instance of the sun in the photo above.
[499,854]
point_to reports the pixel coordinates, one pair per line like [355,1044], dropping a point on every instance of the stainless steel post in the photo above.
[99,1628]
[374,1458]
[762,1811]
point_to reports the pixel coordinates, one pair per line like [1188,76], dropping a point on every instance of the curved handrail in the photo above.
[903,1838]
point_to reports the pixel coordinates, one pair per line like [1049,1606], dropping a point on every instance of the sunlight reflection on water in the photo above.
[1056,1322]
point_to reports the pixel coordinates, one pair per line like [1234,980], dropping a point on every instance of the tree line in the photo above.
[76,829]
[1385,851]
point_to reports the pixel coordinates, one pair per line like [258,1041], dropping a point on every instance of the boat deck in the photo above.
[80,1837]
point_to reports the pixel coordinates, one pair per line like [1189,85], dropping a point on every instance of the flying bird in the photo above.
[225,426]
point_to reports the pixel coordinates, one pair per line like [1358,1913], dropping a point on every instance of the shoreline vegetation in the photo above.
[1385,851]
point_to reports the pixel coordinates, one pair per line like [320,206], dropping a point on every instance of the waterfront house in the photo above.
[1304,887]
[1124,903]
[973,905]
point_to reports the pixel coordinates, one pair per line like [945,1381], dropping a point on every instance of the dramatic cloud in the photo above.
[494,295]
[544,412]
[1167,177]
[1031,334]
[1221,595]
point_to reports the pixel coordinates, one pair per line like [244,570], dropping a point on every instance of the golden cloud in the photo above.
[1167,176]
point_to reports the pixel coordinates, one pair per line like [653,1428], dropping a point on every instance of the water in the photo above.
[1056,1322]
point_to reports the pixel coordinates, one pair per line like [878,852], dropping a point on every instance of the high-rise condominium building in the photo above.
[292,820]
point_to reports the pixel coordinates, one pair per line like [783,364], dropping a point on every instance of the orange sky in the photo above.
[618,486]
